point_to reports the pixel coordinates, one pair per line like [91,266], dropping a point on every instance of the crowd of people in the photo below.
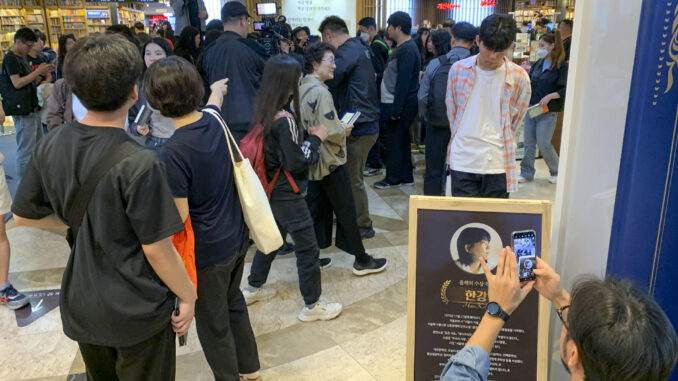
[126,292]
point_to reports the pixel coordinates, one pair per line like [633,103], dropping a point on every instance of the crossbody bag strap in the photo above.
[76,212]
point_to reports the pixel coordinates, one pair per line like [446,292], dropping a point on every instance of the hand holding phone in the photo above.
[524,245]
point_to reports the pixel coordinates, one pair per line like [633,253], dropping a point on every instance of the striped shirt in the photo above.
[514,104]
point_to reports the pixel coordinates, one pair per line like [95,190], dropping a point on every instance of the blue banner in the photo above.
[644,240]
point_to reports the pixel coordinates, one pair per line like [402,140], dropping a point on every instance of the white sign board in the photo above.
[311,13]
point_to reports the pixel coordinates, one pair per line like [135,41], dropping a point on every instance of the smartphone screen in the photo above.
[347,117]
[525,248]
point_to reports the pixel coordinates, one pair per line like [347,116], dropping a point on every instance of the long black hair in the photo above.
[441,42]
[280,79]
[186,45]
[61,55]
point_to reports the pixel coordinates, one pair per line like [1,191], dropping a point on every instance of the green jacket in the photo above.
[317,107]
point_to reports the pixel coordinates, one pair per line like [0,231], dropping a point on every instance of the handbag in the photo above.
[253,200]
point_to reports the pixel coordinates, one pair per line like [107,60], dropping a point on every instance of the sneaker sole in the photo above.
[326,266]
[369,271]
[321,318]
[249,302]
[16,305]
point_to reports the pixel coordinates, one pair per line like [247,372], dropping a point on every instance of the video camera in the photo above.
[270,28]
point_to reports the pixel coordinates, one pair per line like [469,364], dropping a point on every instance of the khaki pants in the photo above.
[358,147]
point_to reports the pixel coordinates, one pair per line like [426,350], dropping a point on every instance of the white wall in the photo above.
[601,65]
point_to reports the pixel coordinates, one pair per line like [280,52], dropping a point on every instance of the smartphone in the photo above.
[524,245]
[143,116]
[182,339]
[350,117]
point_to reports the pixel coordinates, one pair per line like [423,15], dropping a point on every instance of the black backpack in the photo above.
[437,110]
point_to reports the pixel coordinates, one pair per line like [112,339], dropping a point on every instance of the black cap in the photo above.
[233,8]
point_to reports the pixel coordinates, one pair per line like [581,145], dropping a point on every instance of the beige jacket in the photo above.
[317,107]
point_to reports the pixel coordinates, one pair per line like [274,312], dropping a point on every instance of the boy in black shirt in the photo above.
[20,99]
[116,300]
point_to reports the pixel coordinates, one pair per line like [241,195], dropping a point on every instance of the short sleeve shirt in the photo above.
[110,294]
[13,64]
[199,168]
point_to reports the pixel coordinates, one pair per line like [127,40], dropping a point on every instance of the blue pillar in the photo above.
[644,240]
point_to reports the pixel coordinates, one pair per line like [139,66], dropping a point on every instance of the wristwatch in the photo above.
[495,310]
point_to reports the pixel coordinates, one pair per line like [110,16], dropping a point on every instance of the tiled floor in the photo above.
[367,342]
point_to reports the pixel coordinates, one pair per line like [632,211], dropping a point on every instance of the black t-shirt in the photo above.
[199,168]
[110,294]
[13,64]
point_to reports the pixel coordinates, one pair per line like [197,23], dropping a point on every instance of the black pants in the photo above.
[437,140]
[474,185]
[333,196]
[377,155]
[398,149]
[293,217]
[153,359]
[222,320]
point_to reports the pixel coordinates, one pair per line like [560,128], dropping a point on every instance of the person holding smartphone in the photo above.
[329,191]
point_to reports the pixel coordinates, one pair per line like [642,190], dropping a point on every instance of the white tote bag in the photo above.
[255,205]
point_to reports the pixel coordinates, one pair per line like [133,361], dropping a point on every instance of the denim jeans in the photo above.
[28,132]
[538,132]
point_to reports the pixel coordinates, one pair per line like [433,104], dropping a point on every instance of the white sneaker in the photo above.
[323,310]
[253,294]
[521,179]
[553,179]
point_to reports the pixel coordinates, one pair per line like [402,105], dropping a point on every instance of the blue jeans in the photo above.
[538,132]
[28,132]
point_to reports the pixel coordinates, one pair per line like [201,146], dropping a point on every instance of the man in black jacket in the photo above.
[399,96]
[354,89]
[240,60]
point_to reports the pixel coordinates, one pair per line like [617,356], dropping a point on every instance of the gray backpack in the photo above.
[437,110]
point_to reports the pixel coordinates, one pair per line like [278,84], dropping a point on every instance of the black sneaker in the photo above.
[383,184]
[375,265]
[325,263]
[369,172]
[366,233]
[286,248]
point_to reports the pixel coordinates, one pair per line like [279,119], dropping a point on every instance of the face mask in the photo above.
[541,53]
[365,37]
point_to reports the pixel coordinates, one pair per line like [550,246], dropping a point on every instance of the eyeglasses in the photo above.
[561,314]
[329,61]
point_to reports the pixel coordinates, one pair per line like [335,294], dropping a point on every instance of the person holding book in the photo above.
[549,79]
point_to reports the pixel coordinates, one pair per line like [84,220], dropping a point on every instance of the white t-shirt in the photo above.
[478,146]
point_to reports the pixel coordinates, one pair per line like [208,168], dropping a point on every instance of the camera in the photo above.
[270,28]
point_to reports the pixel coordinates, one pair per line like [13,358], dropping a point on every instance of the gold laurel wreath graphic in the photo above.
[672,50]
[443,291]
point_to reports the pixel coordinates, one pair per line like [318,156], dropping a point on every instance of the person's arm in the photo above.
[406,69]
[167,264]
[327,115]
[49,222]
[505,289]
[524,91]
[472,363]
[296,158]
[425,86]
[218,91]
[548,285]
[20,82]
[182,207]
[380,52]
[561,84]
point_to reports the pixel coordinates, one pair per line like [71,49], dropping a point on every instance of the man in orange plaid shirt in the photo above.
[487,98]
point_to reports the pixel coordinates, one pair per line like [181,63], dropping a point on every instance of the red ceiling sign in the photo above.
[452,6]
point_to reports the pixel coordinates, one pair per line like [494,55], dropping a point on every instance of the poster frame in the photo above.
[477,205]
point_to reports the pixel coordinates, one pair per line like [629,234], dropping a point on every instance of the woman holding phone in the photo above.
[329,191]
